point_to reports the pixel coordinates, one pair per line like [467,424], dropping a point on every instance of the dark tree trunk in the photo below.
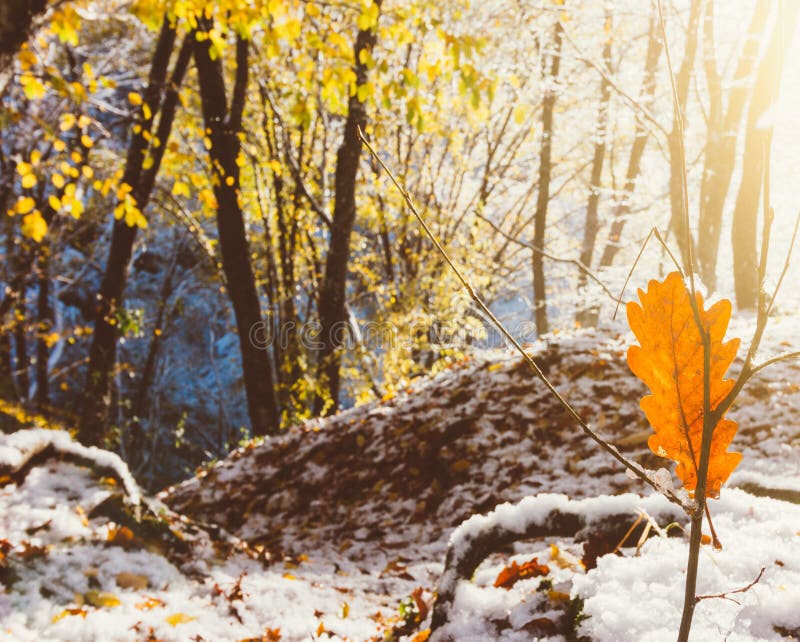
[756,146]
[224,125]
[676,193]
[136,437]
[22,363]
[591,224]
[622,210]
[7,390]
[543,195]
[332,310]
[16,18]
[102,352]
[720,152]
[44,325]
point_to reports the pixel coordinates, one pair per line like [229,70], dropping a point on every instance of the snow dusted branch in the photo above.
[544,515]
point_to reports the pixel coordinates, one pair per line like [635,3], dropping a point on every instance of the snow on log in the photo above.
[22,450]
[546,515]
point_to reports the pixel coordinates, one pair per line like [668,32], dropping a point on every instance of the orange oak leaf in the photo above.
[514,572]
[669,359]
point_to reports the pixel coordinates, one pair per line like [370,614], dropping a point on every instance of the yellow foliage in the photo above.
[34,226]
[179,618]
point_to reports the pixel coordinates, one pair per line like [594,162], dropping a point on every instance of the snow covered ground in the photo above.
[346,521]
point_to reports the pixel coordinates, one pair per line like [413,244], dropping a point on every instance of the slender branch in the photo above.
[785,264]
[636,105]
[682,153]
[724,595]
[294,167]
[652,233]
[637,470]
[547,255]
[774,360]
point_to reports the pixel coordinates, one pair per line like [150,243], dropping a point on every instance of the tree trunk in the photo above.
[621,211]
[224,125]
[44,325]
[332,311]
[720,152]
[7,390]
[756,145]
[676,173]
[16,17]
[136,438]
[102,352]
[22,362]
[543,195]
[591,223]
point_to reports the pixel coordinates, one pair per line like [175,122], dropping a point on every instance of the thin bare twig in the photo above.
[637,470]
[724,595]
[547,255]
[636,105]
[785,264]
[682,156]
[653,232]
[781,357]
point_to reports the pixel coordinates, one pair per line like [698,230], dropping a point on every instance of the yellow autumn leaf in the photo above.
[149,603]
[34,226]
[179,618]
[24,205]
[32,87]
[68,612]
[369,17]
[26,58]
[51,339]
[28,181]
[76,208]
[101,599]
[66,122]
[134,98]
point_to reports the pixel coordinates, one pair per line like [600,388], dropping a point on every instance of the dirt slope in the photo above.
[404,471]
